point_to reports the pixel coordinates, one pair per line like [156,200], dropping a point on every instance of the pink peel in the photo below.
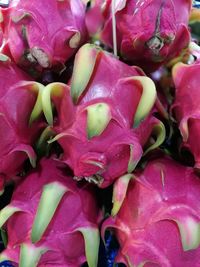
[35,225]
[142,38]
[185,107]
[158,221]
[106,124]
[44,40]
[17,135]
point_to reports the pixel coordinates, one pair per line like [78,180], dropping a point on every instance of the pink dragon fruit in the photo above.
[18,95]
[105,119]
[50,221]
[45,33]
[186,106]
[157,223]
[148,32]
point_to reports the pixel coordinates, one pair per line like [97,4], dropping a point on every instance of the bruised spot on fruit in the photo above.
[28,56]
[96,179]
[41,57]
[155,44]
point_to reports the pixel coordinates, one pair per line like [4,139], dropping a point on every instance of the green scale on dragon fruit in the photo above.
[104,118]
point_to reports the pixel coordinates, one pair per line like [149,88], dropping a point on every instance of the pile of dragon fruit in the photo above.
[100,133]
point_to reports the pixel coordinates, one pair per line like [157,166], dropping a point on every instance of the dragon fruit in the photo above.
[105,118]
[186,106]
[50,221]
[148,32]
[18,95]
[44,34]
[157,223]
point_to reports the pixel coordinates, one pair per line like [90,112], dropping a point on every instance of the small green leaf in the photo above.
[6,213]
[119,192]
[135,156]
[190,233]
[147,100]
[92,239]
[37,109]
[28,150]
[160,133]
[52,89]
[75,40]
[84,64]
[30,255]
[51,196]
[98,117]
[131,164]
[4,237]
[4,58]
[57,137]
[37,89]
[42,145]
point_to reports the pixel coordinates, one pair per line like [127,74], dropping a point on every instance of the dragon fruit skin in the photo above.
[186,106]
[158,222]
[16,135]
[149,32]
[44,34]
[102,137]
[52,220]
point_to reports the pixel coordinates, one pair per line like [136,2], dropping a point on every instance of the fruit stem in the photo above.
[114,29]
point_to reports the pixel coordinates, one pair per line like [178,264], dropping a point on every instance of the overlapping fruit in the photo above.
[99,133]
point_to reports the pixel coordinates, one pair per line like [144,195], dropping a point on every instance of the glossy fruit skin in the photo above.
[158,223]
[44,34]
[51,219]
[186,108]
[149,33]
[101,125]
[17,135]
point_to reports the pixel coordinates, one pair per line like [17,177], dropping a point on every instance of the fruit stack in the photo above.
[100,133]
